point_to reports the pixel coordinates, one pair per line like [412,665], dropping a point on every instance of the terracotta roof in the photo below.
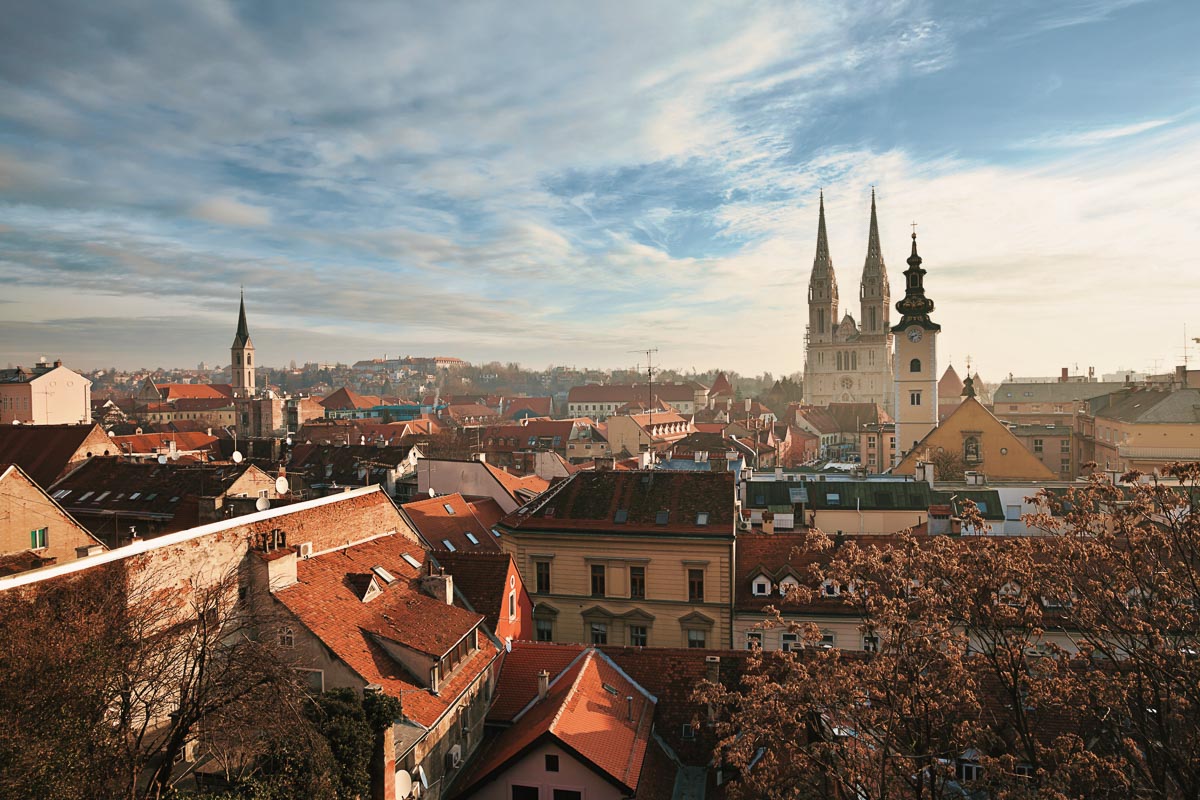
[192,391]
[344,399]
[587,710]
[720,386]
[521,488]
[482,578]
[538,406]
[850,417]
[325,602]
[151,442]
[46,452]
[949,386]
[353,465]
[436,524]
[486,510]
[819,418]
[693,503]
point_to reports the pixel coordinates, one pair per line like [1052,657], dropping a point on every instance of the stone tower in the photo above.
[875,296]
[241,357]
[916,403]
[822,287]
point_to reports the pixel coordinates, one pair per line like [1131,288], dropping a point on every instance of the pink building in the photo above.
[44,395]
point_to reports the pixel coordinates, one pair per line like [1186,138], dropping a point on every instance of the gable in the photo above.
[1001,454]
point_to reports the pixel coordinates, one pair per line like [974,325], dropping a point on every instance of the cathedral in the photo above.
[848,361]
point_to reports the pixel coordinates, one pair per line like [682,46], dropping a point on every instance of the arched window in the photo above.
[287,638]
[914,365]
[248,358]
[854,359]
[971,450]
[839,360]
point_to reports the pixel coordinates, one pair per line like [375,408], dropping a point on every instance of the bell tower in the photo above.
[916,402]
[241,357]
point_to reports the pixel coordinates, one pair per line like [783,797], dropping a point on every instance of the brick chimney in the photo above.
[543,684]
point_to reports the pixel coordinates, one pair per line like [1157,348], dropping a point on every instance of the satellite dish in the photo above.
[289,441]
[432,492]
[281,485]
[403,784]
[174,455]
[262,504]
[237,457]
[16,422]
[162,459]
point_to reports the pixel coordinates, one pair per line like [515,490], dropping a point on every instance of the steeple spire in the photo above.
[874,251]
[822,286]
[243,330]
[874,292]
[822,263]
[915,307]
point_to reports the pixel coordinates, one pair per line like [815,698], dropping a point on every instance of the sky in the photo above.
[566,182]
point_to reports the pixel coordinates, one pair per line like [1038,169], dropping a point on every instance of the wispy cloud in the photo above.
[1092,136]
[231,211]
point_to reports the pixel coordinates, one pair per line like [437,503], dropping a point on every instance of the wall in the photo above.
[24,508]
[468,478]
[666,560]
[851,521]
[531,771]
[58,397]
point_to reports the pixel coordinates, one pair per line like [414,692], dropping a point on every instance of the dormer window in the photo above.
[831,588]
[1009,594]
[761,586]
[786,584]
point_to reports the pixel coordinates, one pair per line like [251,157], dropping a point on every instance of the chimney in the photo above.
[440,587]
[779,473]
[712,668]
[1063,379]
[768,522]
[629,707]
[543,684]
[58,362]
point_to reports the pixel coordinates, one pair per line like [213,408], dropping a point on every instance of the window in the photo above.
[790,642]
[449,508]
[1064,446]
[622,516]
[449,545]
[968,771]
[597,580]
[512,606]
[544,629]
[39,538]
[287,638]
[471,538]
[833,499]
[638,635]
[637,583]
[524,792]
[696,585]
[702,519]
[828,639]
[315,679]
[754,640]
[1012,513]
[687,732]
[696,638]
[599,633]
[1038,445]
[870,643]
[830,588]
[661,517]
[541,571]
[762,587]
[551,763]
[914,365]
[914,398]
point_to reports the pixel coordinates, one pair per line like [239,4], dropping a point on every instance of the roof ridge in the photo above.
[553,681]
[588,656]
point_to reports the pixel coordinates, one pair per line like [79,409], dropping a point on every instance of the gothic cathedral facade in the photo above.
[848,361]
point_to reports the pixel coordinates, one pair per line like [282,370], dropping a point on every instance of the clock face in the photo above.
[914,334]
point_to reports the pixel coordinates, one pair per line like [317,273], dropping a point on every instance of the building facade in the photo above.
[44,395]
[916,401]
[848,361]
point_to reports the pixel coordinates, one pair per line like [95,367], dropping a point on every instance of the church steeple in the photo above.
[874,292]
[241,356]
[915,307]
[822,286]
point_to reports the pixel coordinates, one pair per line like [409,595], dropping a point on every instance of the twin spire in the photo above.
[874,292]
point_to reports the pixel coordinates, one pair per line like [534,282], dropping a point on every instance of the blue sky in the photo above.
[565,182]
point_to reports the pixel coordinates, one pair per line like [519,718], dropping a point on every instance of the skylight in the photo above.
[471,538]
[449,508]
[412,562]
[449,545]
[661,517]
[622,516]
[495,533]
[610,688]
[386,576]
[702,518]
[84,496]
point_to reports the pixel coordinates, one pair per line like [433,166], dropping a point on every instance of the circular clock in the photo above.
[914,334]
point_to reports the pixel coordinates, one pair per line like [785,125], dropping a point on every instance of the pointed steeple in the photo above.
[874,262]
[915,307]
[243,330]
[822,263]
[874,292]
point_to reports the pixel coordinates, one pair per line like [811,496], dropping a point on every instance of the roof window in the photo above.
[622,516]
[449,508]
[61,493]
[834,499]
[702,518]
[661,517]
[134,496]
[471,538]
[101,496]
[150,496]
[383,574]
[412,562]
[495,533]
[449,545]
[84,496]
[610,688]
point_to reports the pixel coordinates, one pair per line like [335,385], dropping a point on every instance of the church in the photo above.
[849,361]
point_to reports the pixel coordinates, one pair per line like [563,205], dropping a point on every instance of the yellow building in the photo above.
[34,530]
[638,558]
[1147,429]
[984,443]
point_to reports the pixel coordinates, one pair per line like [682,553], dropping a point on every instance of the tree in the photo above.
[1064,665]
[105,675]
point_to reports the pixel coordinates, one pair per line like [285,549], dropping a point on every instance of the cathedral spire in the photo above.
[874,261]
[243,330]
[822,263]
[874,292]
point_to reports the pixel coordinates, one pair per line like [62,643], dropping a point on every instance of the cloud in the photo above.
[1092,136]
[229,211]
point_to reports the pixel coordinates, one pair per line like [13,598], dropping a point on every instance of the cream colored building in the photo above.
[633,433]
[44,395]
[916,403]
[34,530]
[637,558]
[1147,429]
[848,361]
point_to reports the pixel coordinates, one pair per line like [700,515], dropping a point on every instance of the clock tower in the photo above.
[916,402]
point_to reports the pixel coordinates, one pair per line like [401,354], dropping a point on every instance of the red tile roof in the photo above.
[180,391]
[325,602]
[47,452]
[538,406]
[344,399]
[521,488]
[486,510]
[482,578]
[587,710]
[151,442]
[435,524]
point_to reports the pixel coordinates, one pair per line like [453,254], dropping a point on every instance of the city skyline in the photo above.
[576,183]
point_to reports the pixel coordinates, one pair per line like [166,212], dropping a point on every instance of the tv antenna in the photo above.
[650,351]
